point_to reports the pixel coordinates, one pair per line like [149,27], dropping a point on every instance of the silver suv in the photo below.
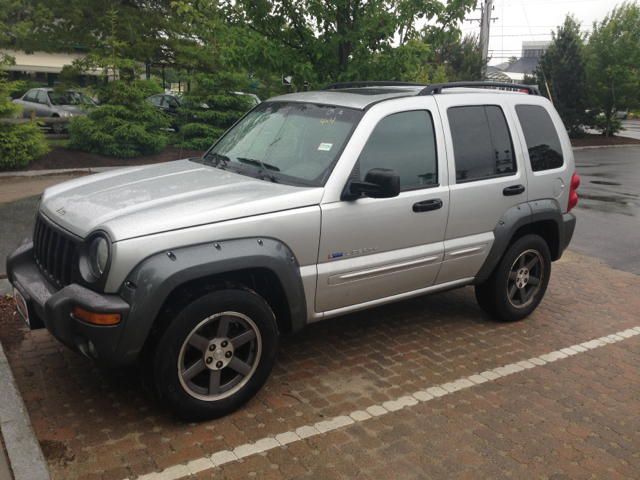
[313,205]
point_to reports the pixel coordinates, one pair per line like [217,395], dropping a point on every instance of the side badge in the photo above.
[335,255]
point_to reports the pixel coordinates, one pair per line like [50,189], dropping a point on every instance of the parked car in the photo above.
[170,104]
[49,104]
[313,205]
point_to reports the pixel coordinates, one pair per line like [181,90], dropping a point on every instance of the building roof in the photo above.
[523,65]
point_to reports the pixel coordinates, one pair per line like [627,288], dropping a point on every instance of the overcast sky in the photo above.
[526,20]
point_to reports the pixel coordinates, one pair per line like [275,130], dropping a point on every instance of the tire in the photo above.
[57,128]
[516,287]
[215,355]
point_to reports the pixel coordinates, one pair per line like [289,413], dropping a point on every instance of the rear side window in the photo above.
[482,143]
[545,151]
[403,142]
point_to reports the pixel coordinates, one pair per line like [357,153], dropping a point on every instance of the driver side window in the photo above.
[403,142]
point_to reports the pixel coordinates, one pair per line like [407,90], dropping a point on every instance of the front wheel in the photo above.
[57,127]
[216,354]
[517,285]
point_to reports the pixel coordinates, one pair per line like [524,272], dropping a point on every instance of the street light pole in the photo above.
[484,33]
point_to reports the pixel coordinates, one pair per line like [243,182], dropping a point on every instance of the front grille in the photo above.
[53,251]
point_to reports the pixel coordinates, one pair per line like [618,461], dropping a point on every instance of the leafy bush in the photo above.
[125,125]
[600,123]
[18,88]
[22,143]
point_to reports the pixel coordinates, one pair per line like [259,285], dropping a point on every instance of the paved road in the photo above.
[429,388]
[633,129]
[609,207]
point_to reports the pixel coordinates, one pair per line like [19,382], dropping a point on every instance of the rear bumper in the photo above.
[52,308]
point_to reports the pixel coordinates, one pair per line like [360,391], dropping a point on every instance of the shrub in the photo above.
[22,143]
[600,123]
[125,125]
[18,88]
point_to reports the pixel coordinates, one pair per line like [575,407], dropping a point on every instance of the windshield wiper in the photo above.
[265,167]
[219,158]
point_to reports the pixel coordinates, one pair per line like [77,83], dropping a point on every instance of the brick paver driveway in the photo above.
[575,417]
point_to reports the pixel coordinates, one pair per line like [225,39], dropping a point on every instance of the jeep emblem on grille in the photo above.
[61,211]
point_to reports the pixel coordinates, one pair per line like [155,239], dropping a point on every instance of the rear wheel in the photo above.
[216,354]
[517,285]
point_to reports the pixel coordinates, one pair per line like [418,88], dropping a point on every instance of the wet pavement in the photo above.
[632,129]
[608,210]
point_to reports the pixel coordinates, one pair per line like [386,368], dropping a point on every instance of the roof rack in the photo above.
[438,87]
[339,85]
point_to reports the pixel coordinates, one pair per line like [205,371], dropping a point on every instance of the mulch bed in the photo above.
[12,325]
[60,157]
[600,141]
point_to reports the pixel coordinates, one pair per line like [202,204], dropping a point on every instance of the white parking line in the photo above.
[227,456]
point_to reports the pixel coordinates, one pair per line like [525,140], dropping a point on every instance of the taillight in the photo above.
[573,196]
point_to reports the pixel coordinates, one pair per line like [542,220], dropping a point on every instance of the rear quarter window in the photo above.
[543,143]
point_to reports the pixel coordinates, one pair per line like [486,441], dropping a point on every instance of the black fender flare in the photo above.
[151,282]
[515,218]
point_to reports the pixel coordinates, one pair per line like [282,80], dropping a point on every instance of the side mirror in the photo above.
[378,183]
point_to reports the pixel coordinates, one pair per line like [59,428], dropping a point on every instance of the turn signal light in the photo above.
[96,318]
[573,196]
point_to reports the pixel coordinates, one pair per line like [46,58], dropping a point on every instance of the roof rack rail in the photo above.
[438,87]
[338,85]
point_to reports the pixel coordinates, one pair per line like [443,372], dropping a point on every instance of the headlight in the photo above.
[67,114]
[98,256]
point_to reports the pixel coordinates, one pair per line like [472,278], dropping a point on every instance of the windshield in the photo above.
[70,98]
[293,141]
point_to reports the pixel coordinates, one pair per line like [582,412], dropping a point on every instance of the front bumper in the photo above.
[52,308]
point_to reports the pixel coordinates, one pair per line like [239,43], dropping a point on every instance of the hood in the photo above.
[138,201]
[72,109]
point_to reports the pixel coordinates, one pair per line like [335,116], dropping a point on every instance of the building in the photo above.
[44,68]
[525,65]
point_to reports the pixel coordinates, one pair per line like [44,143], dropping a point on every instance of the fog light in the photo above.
[92,349]
[96,318]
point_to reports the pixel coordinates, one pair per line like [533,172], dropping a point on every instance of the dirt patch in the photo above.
[600,141]
[61,157]
[56,451]
[12,325]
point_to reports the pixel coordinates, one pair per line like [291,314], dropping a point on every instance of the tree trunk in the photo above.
[343,21]
[607,126]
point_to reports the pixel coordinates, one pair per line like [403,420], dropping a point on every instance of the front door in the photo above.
[375,248]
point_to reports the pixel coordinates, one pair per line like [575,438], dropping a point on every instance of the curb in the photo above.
[38,173]
[25,455]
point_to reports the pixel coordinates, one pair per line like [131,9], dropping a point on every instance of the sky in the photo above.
[527,20]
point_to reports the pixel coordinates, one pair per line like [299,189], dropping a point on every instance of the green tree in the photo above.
[613,57]
[215,74]
[125,125]
[21,143]
[148,30]
[462,58]
[342,40]
[562,66]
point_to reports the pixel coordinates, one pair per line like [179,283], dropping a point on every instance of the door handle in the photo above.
[513,190]
[427,205]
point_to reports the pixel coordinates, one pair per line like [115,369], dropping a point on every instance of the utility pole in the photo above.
[484,32]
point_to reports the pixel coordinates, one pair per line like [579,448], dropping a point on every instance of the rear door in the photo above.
[487,177]
[375,248]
